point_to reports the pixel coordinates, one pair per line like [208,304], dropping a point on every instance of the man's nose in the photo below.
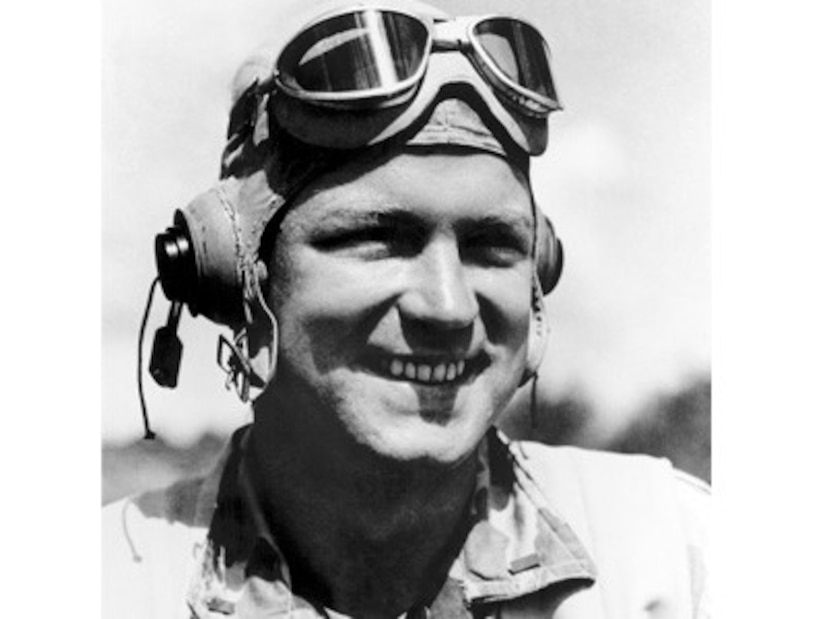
[439,291]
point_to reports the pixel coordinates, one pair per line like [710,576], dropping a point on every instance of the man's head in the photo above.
[391,256]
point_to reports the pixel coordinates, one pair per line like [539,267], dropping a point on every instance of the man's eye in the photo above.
[347,238]
[391,240]
[496,249]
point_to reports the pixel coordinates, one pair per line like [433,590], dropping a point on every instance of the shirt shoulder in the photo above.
[605,468]
[694,497]
[621,475]
[625,505]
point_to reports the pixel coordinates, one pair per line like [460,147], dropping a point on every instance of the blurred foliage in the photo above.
[676,426]
[568,420]
[146,464]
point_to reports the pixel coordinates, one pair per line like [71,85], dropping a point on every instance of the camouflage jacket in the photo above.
[201,548]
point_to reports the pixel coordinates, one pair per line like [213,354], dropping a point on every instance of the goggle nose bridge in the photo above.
[450,35]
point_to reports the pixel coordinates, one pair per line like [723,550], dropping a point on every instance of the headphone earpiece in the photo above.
[549,254]
[549,262]
[207,260]
[197,261]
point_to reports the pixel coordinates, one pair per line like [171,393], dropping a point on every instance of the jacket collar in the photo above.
[516,545]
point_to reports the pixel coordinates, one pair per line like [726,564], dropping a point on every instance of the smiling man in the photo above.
[415,365]
[376,250]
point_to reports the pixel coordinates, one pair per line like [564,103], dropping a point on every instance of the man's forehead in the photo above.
[469,185]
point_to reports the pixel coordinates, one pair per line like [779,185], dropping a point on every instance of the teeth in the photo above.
[396,367]
[425,373]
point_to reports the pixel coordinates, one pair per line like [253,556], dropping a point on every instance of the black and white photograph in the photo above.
[406,309]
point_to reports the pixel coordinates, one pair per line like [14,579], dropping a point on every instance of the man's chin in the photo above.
[425,443]
[409,422]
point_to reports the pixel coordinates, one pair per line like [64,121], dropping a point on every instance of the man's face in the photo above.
[402,291]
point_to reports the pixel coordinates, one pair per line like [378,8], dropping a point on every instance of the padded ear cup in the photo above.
[549,254]
[549,263]
[196,259]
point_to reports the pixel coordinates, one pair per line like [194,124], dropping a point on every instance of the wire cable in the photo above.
[148,434]
[534,410]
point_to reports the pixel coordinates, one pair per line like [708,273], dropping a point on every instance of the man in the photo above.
[375,247]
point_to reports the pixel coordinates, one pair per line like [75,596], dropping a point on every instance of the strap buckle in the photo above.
[235,364]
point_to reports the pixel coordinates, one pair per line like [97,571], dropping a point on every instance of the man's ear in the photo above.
[537,336]
[262,332]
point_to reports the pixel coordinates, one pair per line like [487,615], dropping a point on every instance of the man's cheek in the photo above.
[321,336]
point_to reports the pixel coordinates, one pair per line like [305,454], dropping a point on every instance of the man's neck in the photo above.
[369,538]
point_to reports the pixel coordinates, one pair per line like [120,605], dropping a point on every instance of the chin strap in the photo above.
[538,334]
[233,359]
[250,359]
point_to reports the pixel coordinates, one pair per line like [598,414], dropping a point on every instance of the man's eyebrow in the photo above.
[516,223]
[345,215]
[352,215]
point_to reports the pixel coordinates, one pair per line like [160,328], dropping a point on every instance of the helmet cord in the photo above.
[148,434]
[534,412]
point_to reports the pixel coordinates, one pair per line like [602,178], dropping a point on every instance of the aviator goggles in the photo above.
[373,58]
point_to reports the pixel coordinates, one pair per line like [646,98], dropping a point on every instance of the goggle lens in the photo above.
[355,52]
[518,51]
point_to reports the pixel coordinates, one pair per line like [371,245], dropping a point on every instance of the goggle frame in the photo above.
[457,34]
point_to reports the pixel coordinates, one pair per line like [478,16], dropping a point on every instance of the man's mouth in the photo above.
[428,371]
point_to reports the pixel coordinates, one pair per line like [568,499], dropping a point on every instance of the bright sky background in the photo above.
[626,180]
